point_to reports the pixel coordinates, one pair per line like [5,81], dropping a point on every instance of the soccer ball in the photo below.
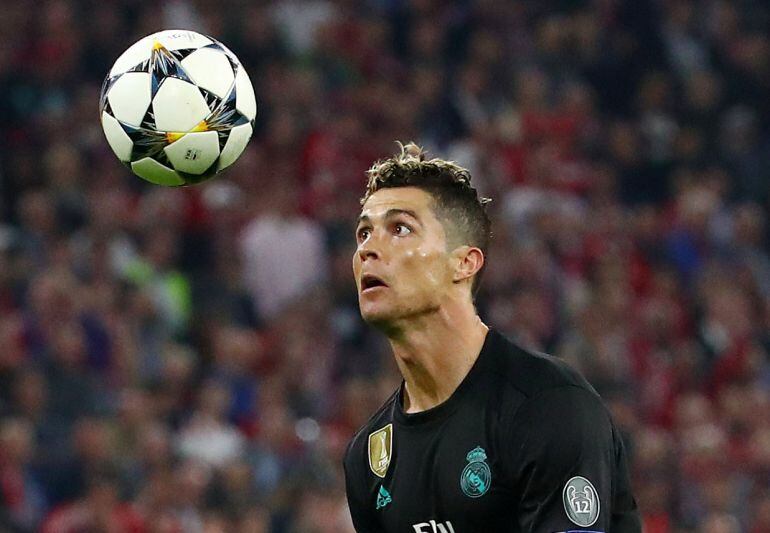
[177,107]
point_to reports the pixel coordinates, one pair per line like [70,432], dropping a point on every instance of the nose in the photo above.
[369,249]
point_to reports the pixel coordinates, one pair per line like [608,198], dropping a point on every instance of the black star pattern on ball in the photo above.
[146,139]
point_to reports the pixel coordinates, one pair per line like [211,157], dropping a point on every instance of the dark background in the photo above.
[193,359]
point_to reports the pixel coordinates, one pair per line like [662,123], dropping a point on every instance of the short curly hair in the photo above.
[456,203]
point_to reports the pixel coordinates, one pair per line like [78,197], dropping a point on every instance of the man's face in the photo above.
[402,267]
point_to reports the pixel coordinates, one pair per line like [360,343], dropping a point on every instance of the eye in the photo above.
[362,234]
[402,229]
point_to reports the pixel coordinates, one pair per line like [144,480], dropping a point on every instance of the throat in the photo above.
[428,384]
[435,360]
[421,395]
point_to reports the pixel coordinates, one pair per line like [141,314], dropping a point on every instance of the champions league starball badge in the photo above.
[476,477]
[581,501]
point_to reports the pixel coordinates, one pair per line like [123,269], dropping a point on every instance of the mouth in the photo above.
[370,282]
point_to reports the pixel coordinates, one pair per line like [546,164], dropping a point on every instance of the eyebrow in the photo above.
[390,213]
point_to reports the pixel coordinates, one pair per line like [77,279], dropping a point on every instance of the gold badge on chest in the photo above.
[381,450]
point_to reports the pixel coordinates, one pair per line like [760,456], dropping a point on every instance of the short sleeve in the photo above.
[567,463]
[355,490]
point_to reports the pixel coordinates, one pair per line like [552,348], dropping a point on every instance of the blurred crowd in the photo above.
[193,359]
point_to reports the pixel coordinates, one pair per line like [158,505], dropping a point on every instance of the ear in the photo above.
[468,260]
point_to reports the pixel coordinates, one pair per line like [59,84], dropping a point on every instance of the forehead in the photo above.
[401,198]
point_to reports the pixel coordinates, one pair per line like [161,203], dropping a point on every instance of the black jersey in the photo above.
[524,444]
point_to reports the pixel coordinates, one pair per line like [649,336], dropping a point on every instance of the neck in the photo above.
[435,352]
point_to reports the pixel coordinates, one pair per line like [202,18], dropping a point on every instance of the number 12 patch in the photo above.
[581,501]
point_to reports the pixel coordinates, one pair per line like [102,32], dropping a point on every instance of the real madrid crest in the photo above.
[381,450]
[476,477]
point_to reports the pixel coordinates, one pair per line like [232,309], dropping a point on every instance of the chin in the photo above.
[374,315]
[384,317]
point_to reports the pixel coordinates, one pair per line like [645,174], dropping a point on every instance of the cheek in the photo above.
[426,268]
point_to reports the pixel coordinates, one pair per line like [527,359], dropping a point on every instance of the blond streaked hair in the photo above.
[412,162]
[456,203]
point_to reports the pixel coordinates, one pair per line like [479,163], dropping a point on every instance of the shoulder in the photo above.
[532,373]
[381,418]
[558,416]
[541,398]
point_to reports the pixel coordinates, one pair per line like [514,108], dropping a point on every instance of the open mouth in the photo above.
[371,282]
